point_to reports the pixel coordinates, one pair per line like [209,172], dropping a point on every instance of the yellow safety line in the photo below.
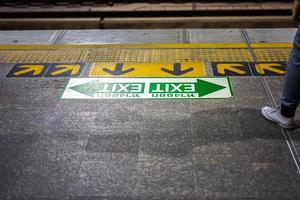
[271,45]
[129,46]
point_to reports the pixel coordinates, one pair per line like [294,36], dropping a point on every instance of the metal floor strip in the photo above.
[59,37]
[285,133]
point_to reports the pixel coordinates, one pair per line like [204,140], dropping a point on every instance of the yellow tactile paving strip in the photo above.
[168,55]
[124,55]
[236,52]
[269,55]
[42,56]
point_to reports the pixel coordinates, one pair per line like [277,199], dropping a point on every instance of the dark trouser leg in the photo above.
[291,92]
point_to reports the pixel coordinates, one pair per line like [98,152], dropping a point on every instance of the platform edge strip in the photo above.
[129,46]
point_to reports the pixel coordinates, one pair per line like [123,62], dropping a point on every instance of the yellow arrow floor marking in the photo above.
[230,67]
[151,69]
[65,68]
[260,68]
[36,69]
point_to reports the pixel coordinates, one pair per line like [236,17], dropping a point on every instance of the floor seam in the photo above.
[60,35]
[193,137]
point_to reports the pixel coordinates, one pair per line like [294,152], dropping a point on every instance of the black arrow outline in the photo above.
[177,70]
[118,70]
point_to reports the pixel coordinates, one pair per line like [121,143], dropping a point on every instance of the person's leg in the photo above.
[291,92]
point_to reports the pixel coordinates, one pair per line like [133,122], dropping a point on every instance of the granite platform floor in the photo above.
[143,149]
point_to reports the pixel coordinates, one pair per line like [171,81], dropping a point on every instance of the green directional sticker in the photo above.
[96,87]
[147,88]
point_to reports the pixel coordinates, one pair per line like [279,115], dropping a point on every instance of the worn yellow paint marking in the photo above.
[260,68]
[65,68]
[230,67]
[36,69]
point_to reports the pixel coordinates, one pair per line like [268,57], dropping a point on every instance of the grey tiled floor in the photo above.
[143,149]
[183,149]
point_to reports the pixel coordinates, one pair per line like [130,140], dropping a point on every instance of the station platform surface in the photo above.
[61,138]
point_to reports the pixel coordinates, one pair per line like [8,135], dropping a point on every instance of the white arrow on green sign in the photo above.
[147,88]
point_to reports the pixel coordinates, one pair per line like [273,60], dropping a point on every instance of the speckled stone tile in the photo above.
[248,92]
[223,170]
[13,149]
[27,37]
[116,143]
[215,124]
[8,175]
[72,119]
[271,35]
[46,178]
[269,156]
[102,198]
[249,119]
[203,105]
[143,116]
[5,69]
[31,92]
[277,181]
[270,151]
[166,144]
[115,117]
[215,35]
[106,175]
[38,198]
[119,36]
[165,177]
[220,155]
[49,165]
[58,146]
[22,120]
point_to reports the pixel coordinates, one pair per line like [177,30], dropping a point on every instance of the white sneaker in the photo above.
[274,115]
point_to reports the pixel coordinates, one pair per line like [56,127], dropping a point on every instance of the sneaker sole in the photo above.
[276,122]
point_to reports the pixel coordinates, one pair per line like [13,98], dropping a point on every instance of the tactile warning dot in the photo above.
[272,55]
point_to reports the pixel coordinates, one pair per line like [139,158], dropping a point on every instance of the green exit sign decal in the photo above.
[147,88]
